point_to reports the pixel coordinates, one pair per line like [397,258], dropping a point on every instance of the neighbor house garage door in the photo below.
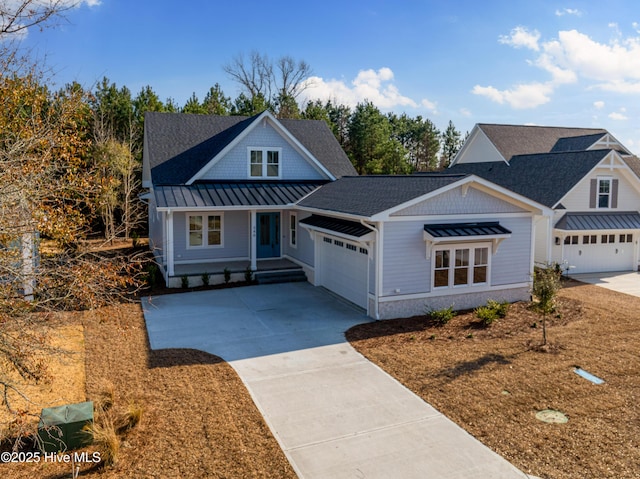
[343,269]
[600,253]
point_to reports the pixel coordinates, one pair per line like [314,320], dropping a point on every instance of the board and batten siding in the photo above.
[235,230]
[408,271]
[455,202]
[235,164]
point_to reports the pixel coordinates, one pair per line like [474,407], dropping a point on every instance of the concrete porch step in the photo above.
[290,276]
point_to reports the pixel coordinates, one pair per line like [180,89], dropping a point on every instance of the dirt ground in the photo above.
[491,381]
[198,421]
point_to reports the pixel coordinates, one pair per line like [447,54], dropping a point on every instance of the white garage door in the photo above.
[609,252]
[344,269]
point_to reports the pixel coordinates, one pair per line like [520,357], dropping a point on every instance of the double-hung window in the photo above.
[205,230]
[264,162]
[461,265]
[604,192]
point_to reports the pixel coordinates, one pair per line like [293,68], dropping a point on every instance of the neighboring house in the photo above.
[267,194]
[589,180]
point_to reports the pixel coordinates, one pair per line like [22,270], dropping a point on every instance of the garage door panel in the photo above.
[590,258]
[344,271]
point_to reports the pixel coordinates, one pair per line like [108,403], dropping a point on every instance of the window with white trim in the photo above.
[293,230]
[204,230]
[460,265]
[264,162]
[604,192]
[626,238]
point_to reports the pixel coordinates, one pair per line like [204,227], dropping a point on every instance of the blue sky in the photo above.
[573,63]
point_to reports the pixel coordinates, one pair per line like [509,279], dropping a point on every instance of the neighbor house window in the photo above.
[205,230]
[293,229]
[456,266]
[264,162]
[604,192]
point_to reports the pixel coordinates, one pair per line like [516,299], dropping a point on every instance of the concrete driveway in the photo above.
[626,282]
[334,413]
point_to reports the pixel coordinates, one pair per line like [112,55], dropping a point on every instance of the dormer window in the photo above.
[264,162]
[604,192]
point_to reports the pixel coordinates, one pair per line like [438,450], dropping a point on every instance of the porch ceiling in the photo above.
[233,193]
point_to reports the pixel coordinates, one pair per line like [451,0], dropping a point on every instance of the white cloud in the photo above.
[618,115]
[598,104]
[374,86]
[521,37]
[568,11]
[429,105]
[465,112]
[571,57]
[522,96]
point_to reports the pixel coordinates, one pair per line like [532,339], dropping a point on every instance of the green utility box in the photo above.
[60,428]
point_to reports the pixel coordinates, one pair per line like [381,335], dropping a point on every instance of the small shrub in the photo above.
[106,439]
[441,316]
[227,275]
[131,417]
[486,314]
[248,275]
[106,397]
[492,311]
[152,275]
[135,239]
[205,279]
[184,281]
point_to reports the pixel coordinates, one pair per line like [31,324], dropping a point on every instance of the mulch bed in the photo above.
[491,381]
[198,421]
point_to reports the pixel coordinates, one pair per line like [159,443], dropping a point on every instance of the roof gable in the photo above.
[514,140]
[179,146]
[545,178]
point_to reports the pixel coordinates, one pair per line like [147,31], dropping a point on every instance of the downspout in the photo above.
[376,313]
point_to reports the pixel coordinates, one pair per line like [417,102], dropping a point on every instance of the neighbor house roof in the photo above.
[627,220]
[179,145]
[233,193]
[368,195]
[513,140]
[545,178]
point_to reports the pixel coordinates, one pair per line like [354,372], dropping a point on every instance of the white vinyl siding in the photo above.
[628,198]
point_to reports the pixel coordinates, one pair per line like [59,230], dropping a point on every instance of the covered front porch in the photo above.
[215,271]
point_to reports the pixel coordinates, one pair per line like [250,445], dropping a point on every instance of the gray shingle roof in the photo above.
[512,140]
[368,195]
[544,178]
[230,193]
[576,143]
[179,144]
[627,220]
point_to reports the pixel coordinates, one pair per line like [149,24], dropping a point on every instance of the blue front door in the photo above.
[268,235]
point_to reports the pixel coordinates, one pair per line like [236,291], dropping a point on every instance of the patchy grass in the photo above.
[492,380]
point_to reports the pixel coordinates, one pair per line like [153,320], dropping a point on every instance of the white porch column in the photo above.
[254,242]
[170,268]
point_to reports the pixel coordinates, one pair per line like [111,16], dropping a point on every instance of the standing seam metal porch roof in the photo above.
[626,220]
[351,228]
[489,228]
[233,193]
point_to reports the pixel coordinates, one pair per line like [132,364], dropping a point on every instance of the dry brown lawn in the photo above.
[491,381]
